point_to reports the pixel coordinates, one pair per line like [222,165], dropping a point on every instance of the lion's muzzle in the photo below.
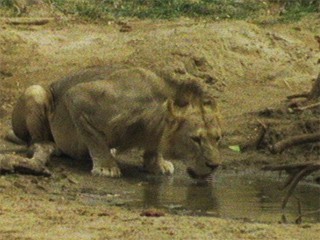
[212,166]
[193,174]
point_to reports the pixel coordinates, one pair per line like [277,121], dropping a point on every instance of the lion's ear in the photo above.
[171,109]
[177,108]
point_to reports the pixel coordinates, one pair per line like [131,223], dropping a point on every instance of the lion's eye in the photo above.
[218,138]
[196,139]
[207,102]
[181,103]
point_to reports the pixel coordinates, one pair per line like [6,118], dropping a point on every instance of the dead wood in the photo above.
[292,167]
[300,95]
[299,218]
[295,140]
[310,212]
[296,173]
[310,98]
[36,165]
[28,21]
[314,105]
[294,182]
[255,142]
[10,163]
[315,90]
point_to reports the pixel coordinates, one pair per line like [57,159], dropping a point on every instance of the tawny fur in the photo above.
[122,107]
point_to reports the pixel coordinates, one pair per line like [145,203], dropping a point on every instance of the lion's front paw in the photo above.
[164,167]
[106,172]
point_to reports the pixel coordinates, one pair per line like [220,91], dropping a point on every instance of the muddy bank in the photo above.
[247,67]
[29,212]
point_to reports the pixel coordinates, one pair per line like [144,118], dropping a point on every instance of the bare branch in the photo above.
[297,178]
[314,105]
[17,164]
[296,140]
[315,90]
[296,173]
[300,95]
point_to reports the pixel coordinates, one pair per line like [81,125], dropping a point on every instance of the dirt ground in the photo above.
[248,67]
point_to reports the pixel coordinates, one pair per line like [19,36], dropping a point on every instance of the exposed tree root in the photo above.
[296,173]
[294,167]
[310,98]
[300,95]
[315,90]
[299,218]
[255,142]
[295,140]
[10,163]
[314,105]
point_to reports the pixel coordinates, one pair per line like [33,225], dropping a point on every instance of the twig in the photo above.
[265,126]
[297,178]
[301,95]
[292,167]
[287,84]
[310,212]
[299,218]
[296,140]
[288,181]
[308,106]
[18,9]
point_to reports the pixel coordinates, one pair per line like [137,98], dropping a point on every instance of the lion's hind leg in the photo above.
[30,125]
[30,116]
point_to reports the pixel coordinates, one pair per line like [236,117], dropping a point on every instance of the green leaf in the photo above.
[235,148]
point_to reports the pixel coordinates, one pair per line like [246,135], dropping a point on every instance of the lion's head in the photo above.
[192,134]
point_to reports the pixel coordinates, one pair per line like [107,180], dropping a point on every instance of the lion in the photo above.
[120,107]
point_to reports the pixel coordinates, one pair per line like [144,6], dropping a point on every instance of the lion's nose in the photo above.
[212,166]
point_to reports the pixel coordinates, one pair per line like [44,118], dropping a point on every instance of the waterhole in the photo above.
[248,196]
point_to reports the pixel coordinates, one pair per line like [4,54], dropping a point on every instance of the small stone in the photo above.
[152,213]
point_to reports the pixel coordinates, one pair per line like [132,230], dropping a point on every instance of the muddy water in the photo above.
[250,196]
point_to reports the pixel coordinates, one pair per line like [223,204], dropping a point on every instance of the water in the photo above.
[248,196]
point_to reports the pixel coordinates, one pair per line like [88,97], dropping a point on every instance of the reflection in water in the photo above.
[152,194]
[239,196]
[207,200]
[172,195]
[230,196]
